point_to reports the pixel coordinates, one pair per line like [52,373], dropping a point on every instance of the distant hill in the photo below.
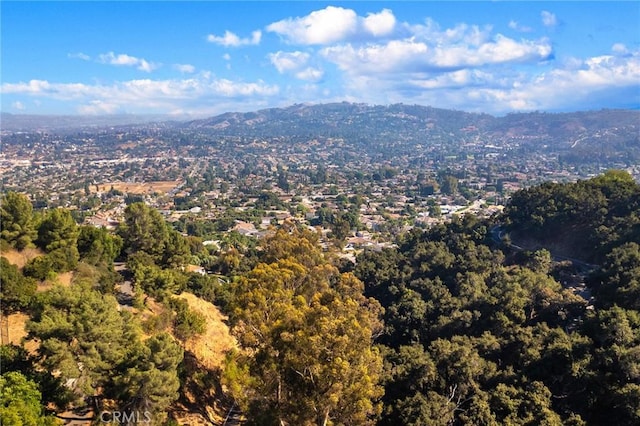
[611,136]
[575,135]
[32,122]
[344,120]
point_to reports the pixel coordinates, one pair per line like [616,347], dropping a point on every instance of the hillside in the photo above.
[575,135]
[584,220]
[591,137]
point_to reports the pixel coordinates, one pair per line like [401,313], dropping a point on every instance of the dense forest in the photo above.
[473,322]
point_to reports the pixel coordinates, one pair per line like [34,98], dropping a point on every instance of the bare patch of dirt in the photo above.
[20,258]
[161,187]
[65,278]
[14,330]
[211,347]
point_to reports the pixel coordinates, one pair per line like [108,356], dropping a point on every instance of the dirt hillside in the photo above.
[20,258]
[209,348]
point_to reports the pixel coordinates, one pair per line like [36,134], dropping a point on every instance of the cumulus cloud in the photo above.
[127,60]
[310,74]
[430,32]
[563,88]
[147,94]
[548,19]
[334,24]
[619,49]
[515,25]
[296,64]
[97,107]
[185,68]
[230,39]
[410,55]
[379,58]
[324,26]
[380,24]
[287,61]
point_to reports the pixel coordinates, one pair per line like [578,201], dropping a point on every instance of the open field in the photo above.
[160,186]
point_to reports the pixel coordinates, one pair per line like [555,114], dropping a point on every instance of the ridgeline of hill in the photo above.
[576,134]
[585,136]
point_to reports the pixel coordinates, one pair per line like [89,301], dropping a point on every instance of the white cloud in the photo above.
[295,63]
[310,74]
[548,19]
[409,55]
[18,105]
[462,33]
[287,61]
[79,55]
[334,24]
[324,26]
[230,39]
[97,107]
[619,49]
[185,68]
[380,24]
[564,88]
[378,58]
[127,60]
[515,25]
[43,87]
[226,57]
[147,95]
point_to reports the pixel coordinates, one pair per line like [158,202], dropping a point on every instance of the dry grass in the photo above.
[161,187]
[16,328]
[20,258]
[211,347]
[64,279]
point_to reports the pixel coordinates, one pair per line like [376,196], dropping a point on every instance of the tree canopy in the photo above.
[16,216]
[307,332]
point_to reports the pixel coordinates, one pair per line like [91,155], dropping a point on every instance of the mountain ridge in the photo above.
[611,134]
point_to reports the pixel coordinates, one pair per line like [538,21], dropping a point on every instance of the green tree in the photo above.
[177,251]
[309,357]
[144,229]
[57,230]
[40,267]
[16,216]
[187,323]
[20,402]
[98,246]
[16,290]
[58,236]
[83,336]
[618,281]
[150,383]
[449,185]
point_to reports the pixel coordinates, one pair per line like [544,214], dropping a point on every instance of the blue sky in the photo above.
[205,58]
